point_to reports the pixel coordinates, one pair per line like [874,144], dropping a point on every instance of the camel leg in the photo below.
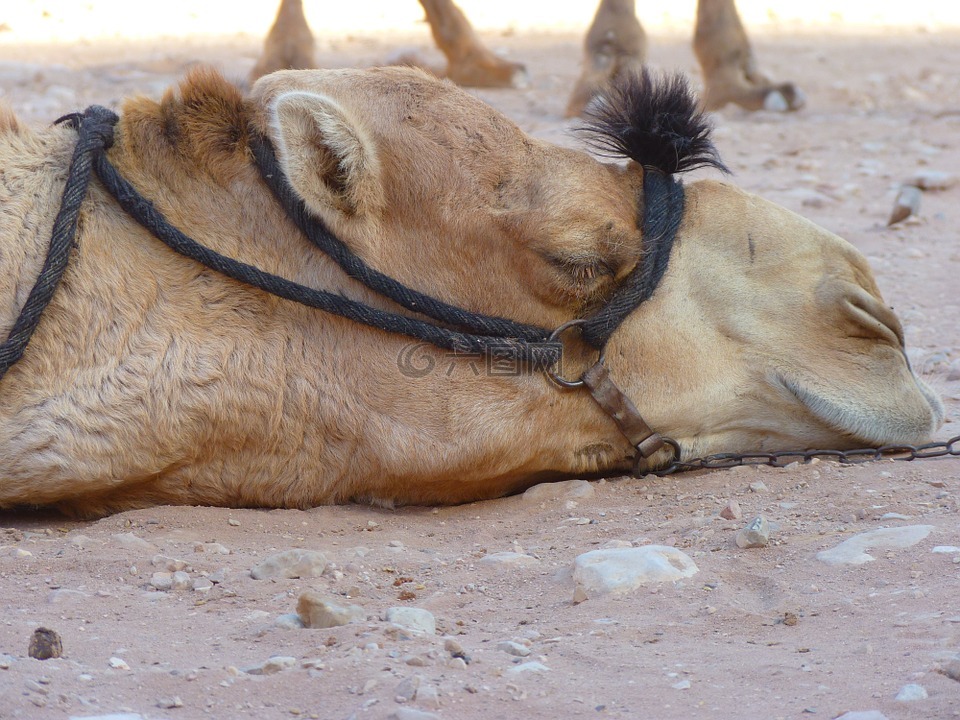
[729,67]
[615,43]
[289,44]
[469,62]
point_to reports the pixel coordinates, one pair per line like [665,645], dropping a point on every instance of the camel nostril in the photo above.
[875,317]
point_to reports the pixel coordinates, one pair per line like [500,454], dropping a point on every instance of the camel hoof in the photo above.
[786,98]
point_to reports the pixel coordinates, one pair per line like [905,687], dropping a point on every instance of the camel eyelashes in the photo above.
[655,122]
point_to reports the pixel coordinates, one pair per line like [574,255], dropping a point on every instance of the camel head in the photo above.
[766,331]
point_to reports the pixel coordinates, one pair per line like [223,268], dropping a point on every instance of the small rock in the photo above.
[572,489]
[202,584]
[911,692]
[509,559]
[457,663]
[180,581]
[407,689]
[528,667]
[906,204]
[755,535]
[291,564]
[513,648]
[946,549]
[316,611]
[233,522]
[412,618]
[405,713]
[6,661]
[456,650]
[862,715]
[682,685]
[621,570]
[162,580]
[45,644]
[211,548]
[428,696]
[111,716]
[894,516]
[759,487]
[170,703]
[853,551]
[118,664]
[950,668]
[132,542]
[289,621]
[731,511]
[20,553]
[167,563]
[272,666]
[63,595]
[82,542]
[933,180]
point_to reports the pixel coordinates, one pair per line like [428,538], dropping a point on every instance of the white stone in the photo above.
[528,667]
[162,580]
[948,549]
[412,618]
[291,564]
[513,648]
[911,692]
[132,542]
[405,713]
[862,715]
[853,551]
[572,489]
[620,570]
[180,581]
[111,716]
[508,559]
[682,685]
[118,664]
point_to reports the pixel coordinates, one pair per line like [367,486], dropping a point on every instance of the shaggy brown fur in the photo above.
[153,380]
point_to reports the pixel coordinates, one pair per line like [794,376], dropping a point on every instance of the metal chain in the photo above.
[783,458]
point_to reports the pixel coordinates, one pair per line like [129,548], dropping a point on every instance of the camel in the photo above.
[615,44]
[152,379]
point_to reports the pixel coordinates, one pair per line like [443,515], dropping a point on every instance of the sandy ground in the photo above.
[759,633]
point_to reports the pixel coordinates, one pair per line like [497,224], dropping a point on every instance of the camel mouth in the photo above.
[910,417]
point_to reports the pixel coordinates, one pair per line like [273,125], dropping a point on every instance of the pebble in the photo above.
[731,511]
[162,580]
[933,180]
[911,692]
[20,553]
[118,664]
[291,564]
[513,648]
[180,581]
[45,644]
[682,685]
[862,715]
[620,570]
[528,667]
[759,487]
[317,611]
[407,689]
[894,516]
[111,716]
[202,584]
[289,621]
[947,549]
[62,595]
[233,522]
[6,661]
[405,713]
[272,666]
[168,564]
[211,548]
[411,618]
[508,559]
[755,535]
[132,542]
[170,703]
[571,489]
[853,551]
[906,204]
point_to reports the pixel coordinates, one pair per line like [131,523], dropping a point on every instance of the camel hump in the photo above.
[654,120]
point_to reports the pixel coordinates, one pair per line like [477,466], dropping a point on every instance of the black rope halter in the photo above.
[469,332]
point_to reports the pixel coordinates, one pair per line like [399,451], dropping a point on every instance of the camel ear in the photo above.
[327,155]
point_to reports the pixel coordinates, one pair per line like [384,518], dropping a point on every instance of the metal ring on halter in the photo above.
[554,336]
